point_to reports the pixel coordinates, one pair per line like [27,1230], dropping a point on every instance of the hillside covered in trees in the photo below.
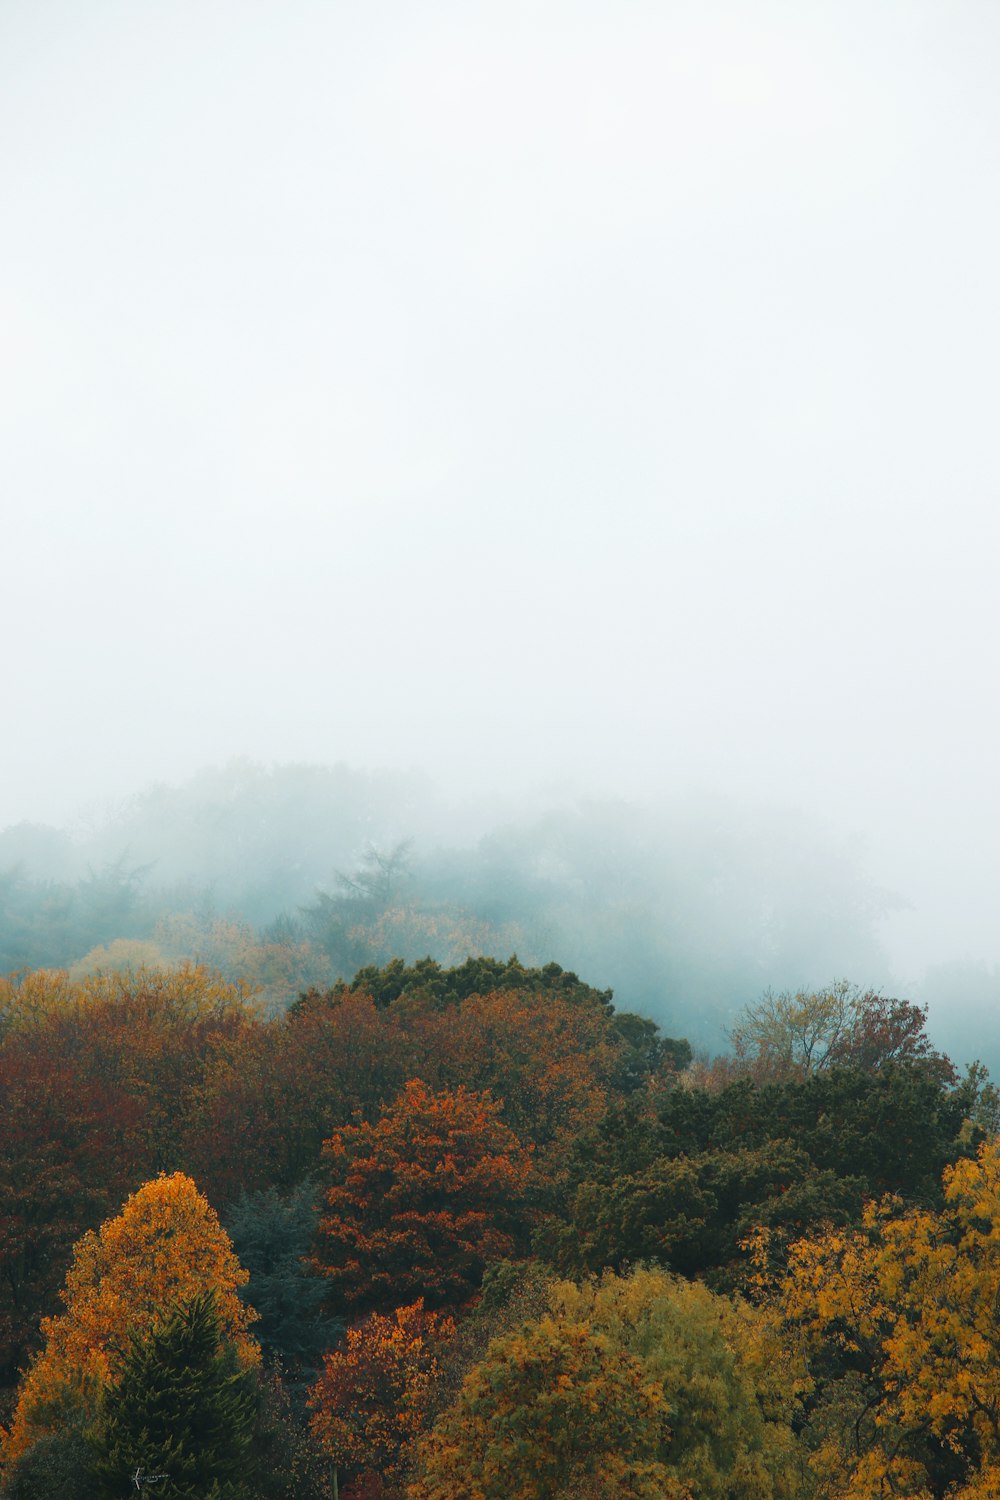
[538,460]
[294,877]
[474,1231]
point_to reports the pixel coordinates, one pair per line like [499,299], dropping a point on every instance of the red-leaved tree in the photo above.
[374,1397]
[422,1200]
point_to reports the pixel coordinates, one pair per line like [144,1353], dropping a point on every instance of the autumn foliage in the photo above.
[68,1153]
[897,1325]
[786,1271]
[373,1396]
[93,1079]
[550,1066]
[271,1094]
[419,1202]
[796,1035]
[164,1248]
[638,1385]
[553,1407]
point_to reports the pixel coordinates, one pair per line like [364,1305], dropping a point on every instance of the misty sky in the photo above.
[601,395]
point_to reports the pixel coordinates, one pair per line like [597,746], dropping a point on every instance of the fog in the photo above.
[565,405]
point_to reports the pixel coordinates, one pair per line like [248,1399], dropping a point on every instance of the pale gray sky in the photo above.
[595,393]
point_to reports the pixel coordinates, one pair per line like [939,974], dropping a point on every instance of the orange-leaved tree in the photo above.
[373,1397]
[165,1247]
[421,1200]
[549,1060]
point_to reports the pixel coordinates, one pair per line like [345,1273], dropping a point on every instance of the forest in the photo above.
[473,1231]
[538,460]
[320,1176]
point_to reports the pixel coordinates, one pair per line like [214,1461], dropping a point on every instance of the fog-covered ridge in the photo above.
[296,875]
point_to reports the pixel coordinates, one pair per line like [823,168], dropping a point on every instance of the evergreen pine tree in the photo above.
[181,1409]
[272,1235]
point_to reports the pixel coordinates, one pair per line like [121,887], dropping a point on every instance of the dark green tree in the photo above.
[272,1234]
[426,980]
[55,1466]
[181,1409]
[686,1185]
[692,1213]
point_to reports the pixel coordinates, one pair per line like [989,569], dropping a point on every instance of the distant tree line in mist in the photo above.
[296,876]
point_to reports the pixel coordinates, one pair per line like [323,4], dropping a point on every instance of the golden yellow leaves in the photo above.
[165,1246]
[911,1301]
[641,1385]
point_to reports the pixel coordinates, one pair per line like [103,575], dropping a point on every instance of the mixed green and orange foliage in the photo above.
[818,1227]
[641,1385]
[552,1408]
[164,1248]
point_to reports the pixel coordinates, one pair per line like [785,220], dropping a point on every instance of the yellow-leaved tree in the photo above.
[898,1324]
[552,1408]
[164,1248]
[641,1385]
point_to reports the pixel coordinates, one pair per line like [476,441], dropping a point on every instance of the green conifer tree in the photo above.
[178,1423]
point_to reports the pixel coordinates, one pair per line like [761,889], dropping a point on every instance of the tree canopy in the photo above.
[165,1247]
[421,1201]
